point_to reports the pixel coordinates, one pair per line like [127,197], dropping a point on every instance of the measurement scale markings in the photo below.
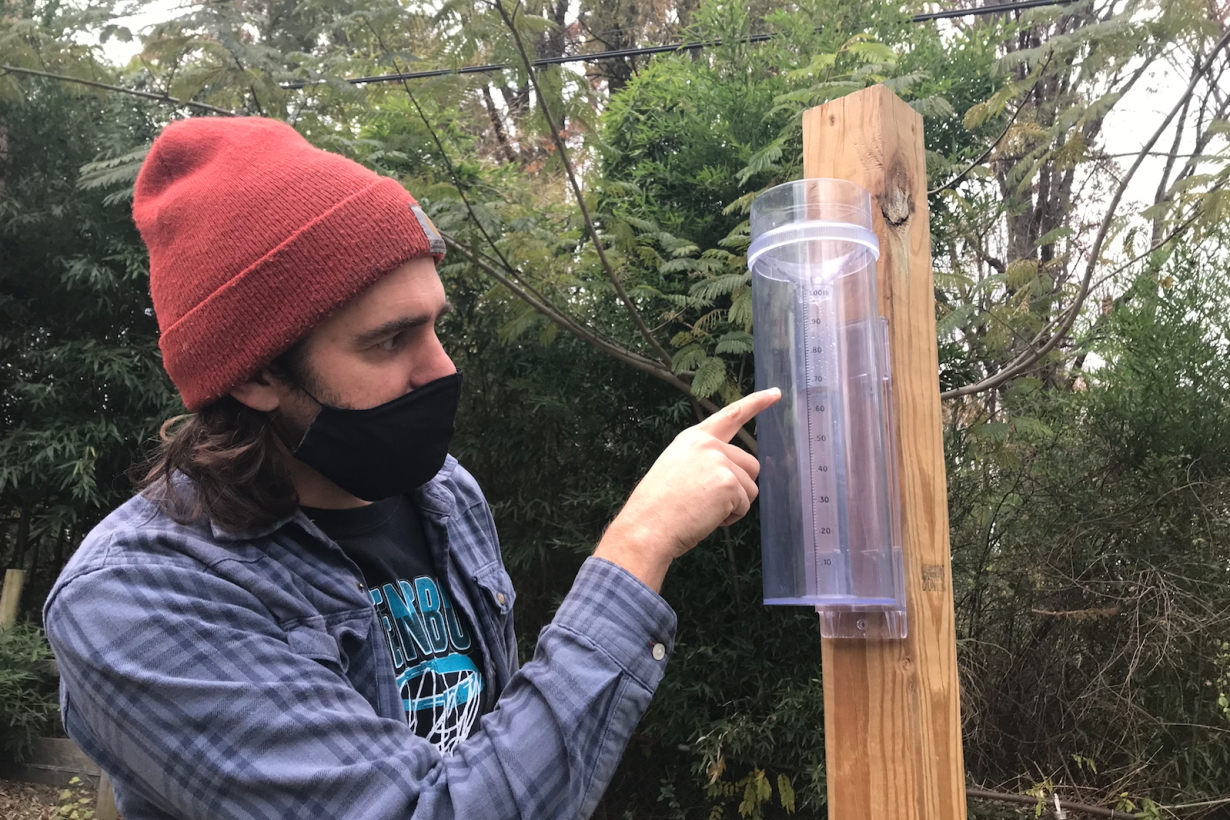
[820,372]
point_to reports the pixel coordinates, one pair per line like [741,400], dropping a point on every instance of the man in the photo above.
[305,614]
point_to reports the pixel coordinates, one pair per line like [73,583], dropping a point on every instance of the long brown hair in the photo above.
[225,462]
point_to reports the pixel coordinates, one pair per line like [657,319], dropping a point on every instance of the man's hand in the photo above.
[699,482]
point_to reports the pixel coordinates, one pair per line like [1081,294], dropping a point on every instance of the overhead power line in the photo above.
[1024,5]
[598,56]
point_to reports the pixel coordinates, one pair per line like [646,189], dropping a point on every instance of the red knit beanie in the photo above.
[254,238]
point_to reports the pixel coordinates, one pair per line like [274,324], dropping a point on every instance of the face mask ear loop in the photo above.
[307,393]
[295,383]
[288,376]
[274,421]
[282,431]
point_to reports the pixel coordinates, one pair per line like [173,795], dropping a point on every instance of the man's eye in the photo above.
[390,344]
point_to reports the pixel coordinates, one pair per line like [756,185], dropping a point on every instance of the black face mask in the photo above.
[388,449]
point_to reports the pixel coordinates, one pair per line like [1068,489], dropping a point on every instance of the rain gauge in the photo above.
[829,506]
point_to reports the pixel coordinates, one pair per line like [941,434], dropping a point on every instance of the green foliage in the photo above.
[1090,579]
[81,383]
[753,792]
[689,142]
[1087,504]
[28,705]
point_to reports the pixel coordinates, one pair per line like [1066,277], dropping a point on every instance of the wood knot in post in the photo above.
[896,203]
[933,578]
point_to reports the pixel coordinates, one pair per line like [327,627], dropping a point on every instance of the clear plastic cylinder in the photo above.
[830,532]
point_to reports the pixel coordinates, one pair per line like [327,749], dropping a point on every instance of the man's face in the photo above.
[377,348]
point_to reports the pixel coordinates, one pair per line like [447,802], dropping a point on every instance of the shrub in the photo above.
[27,689]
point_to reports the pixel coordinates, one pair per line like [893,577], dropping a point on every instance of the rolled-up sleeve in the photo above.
[185,688]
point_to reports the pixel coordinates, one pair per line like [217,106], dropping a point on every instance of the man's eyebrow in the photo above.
[399,324]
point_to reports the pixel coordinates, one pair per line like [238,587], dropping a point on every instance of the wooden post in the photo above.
[10,596]
[105,808]
[891,708]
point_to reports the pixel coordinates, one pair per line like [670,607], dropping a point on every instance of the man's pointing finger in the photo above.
[727,421]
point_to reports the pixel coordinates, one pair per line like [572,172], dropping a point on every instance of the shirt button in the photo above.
[499,597]
[360,583]
[659,651]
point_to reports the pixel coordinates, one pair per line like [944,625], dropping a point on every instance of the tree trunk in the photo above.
[58,557]
[497,125]
[23,536]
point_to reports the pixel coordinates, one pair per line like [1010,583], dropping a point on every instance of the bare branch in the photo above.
[1126,297]
[448,164]
[1067,318]
[1158,245]
[1171,157]
[146,95]
[1090,614]
[576,189]
[632,358]
[984,794]
[1202,804]
[516,283]
[990,148]
[260,110]
[1203,138]
[1066,805]
[498,125]
[540,302]
[539,298]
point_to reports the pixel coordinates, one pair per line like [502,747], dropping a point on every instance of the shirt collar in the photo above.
[435,498]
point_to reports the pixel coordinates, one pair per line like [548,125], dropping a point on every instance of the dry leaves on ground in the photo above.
[27,801]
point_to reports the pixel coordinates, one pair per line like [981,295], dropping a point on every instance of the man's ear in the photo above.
[261,392]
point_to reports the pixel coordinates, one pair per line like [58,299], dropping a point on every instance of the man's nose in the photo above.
[437,364]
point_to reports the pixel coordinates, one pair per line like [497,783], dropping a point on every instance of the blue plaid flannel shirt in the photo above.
[244,676]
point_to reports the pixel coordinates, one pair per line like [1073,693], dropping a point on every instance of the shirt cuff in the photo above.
[627,619]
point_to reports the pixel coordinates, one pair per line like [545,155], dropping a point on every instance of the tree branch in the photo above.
[538,301]
[632,358]
[514,282]
[541,302]
[1066,805]
[162,98]
[260,110]
[1030,357]
[1124,298]
[1167,239]
[576,189]
[448,164]
[627,356]
[498,125]
[1171,158]
[990,148]
[1197,155]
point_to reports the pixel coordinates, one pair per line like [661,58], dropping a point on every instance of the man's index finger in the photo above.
[727,421]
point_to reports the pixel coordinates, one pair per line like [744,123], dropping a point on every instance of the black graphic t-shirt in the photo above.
[435,657]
